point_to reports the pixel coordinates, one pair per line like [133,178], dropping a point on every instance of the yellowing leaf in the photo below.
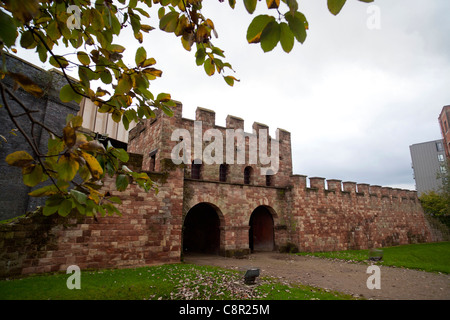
[93,146]
[151,73]
[93,165]
[76,121]
[19,159]
[230,80]
[273,4]
[69,136]
[58,61]
[27,84]
[23,10]
[44,191]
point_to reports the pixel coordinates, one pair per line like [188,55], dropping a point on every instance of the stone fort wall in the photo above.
[326,215]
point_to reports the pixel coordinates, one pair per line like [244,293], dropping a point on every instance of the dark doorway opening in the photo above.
[261,234]
[201,230]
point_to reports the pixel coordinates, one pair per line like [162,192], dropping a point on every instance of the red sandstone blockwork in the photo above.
[328,215]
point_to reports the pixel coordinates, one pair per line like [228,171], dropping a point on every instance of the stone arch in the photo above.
[262,229]
[202,229]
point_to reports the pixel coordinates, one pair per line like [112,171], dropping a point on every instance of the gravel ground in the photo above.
[346,277]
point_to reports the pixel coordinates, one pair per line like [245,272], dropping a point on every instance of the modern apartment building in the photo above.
[428,160]
[444,123]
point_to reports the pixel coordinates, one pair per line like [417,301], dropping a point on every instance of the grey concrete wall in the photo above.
[426,165]
[14,199]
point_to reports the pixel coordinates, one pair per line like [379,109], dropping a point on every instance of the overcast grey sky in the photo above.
[353,98]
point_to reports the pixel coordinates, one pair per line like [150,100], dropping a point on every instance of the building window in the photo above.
[443,169]
[268,180]
[439,146]
[196,169]
[248,175]
[441,157]
[153,160]
[223,172]
[269,176]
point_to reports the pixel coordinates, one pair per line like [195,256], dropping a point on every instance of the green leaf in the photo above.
[286,37]
[27,40]
[169,21]
[44,191]
[297,24]
[257,26]
[141,56]
[106,77]
[66,94]
[116,48]
[67,167]
[34,177]
[83,57]
[209,67]
[8,30]
[270,36]
[335,6]
[293,6]
[80,197]
[120,154]
[58,61]
[124,85]
[53,31]
[52,204]
[121,182]
[163,97]
[167,110]
[65,207]
[250,5]
[115,200]
[200,56]
[230,80]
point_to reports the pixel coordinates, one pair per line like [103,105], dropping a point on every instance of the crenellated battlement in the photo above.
[184,140]
[339,187]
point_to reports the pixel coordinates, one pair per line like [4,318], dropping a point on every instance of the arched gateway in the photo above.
[261,233]
[201,229]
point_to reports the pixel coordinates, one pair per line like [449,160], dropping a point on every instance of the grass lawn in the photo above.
[173,281]
[432,257]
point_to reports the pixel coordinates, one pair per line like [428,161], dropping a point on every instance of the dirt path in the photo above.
[351,278]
